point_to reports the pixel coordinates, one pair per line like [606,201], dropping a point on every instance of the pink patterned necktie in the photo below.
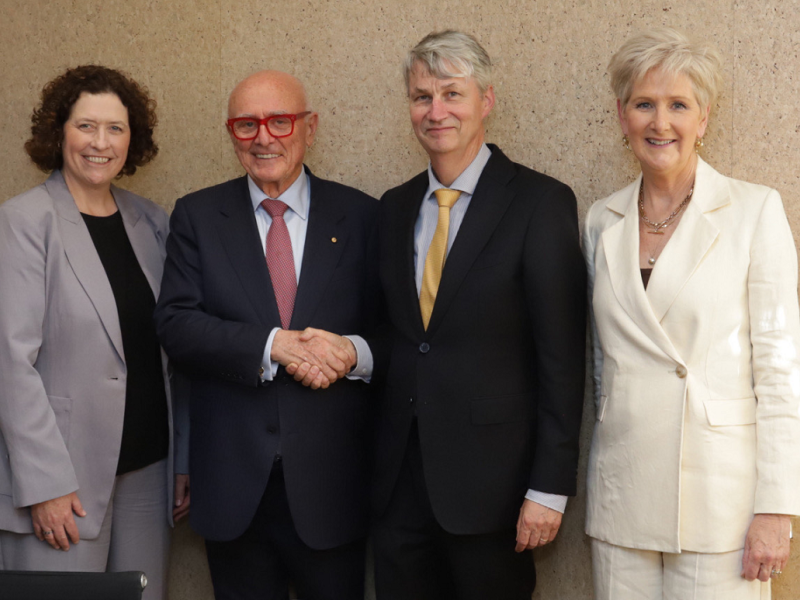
[280,260]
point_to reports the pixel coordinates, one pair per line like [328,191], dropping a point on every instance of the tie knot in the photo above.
[446,198]
[275,208]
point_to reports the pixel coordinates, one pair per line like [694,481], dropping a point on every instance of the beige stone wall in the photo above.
[554,113]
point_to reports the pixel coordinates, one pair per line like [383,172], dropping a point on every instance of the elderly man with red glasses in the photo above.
[264,276]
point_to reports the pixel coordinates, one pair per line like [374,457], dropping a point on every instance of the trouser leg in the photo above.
[140,532]
[626,573]
[415,559]
[702,576]
[410,563]
[260,563]
[486,566]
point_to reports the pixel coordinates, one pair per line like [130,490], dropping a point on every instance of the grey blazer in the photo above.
[62,367]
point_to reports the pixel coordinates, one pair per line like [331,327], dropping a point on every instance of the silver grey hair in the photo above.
[672,52]
[450,53]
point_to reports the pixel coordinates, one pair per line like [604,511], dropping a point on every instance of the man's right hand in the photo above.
[313,357]
[54,523]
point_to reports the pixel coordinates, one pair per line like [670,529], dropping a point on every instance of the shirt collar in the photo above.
[296,196]
[468,180]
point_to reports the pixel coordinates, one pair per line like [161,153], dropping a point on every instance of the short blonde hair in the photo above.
[672,52]
[450,53]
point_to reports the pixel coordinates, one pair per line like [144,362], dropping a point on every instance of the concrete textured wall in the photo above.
[554,112]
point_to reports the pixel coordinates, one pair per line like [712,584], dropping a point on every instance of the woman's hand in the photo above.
[53,521]
[766,548]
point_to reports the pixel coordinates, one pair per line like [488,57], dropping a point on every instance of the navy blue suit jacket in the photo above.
[214,315]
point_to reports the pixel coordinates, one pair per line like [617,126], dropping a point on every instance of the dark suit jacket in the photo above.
[214,315]
[497,379]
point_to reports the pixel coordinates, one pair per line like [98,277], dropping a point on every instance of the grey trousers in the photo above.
[134,536]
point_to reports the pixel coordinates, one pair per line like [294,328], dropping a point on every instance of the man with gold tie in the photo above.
[485,288]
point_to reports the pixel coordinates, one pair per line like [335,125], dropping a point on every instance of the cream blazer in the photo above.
[697,379]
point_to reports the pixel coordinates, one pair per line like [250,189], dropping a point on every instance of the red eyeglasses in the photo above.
[246,128]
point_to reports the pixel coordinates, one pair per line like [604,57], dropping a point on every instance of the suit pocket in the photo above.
[62,408]
[500,409]
[348,272]
[739,411]
[489,261]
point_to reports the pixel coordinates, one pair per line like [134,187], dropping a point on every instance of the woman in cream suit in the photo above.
[695,460]
[85,424]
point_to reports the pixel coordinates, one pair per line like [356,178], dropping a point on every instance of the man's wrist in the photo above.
[363,366]
[554,502]
[269,367]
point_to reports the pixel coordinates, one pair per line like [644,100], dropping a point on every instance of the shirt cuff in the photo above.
[269,366]
[552,501]
[364,364]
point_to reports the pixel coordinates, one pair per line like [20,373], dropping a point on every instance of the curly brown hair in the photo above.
[60,95]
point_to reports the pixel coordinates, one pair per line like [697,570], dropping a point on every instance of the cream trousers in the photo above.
[629,574]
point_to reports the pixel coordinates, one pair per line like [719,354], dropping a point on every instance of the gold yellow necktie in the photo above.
[437,251]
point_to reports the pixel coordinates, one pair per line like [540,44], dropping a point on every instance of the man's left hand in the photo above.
[537,525]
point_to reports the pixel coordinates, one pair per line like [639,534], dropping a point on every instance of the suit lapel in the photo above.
[621,248]
[84,260]
[149,250]
[489,203]
[403,251]
[239,236]
[326,223]
[690,242]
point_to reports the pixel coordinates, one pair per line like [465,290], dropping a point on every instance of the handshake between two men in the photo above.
[314,357]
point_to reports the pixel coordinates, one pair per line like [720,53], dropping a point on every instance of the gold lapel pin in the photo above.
[334,240]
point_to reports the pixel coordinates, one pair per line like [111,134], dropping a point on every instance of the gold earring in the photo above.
[626,142]
[698,144]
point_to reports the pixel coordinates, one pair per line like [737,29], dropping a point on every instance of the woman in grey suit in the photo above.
[86,448]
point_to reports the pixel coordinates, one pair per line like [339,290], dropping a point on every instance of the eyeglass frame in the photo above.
[265,121]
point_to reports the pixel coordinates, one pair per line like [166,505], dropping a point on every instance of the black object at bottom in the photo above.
[57,585]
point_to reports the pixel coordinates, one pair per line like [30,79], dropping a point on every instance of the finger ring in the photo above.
[543,540]
[50,532]
[775,573]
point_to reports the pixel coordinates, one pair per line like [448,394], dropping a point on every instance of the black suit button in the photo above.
[424,347]
[271,430]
